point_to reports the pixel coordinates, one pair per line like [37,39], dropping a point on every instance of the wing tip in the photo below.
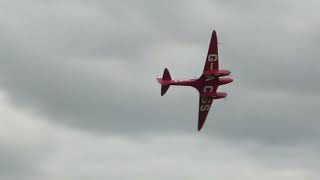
[214,32]
[200,125]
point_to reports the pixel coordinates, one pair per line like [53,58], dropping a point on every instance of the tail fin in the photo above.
[166,75]
[165,84]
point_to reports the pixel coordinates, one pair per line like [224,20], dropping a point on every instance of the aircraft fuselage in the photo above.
[205,84]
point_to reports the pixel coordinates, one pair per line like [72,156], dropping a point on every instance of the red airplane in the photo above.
[206,85]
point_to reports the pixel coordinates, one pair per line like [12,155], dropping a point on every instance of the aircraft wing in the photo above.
[204,108]
[212,61]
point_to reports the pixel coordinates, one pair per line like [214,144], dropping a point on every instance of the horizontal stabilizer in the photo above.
[164,89]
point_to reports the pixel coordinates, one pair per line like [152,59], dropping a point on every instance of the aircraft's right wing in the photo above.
[212,61]
[204,108]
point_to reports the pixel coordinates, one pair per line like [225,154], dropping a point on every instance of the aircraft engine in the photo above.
[224,80]
[220,95]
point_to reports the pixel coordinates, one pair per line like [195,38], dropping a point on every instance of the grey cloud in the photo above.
[91,66]
[287,63]
[76,29]
[275,118]
[150,157]
[13,161]
[24,144]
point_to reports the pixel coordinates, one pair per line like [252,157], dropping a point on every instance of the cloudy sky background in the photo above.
[78,98]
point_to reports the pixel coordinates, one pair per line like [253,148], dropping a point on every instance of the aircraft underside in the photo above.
[207,84]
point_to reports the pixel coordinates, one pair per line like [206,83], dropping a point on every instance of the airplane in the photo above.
[207,84]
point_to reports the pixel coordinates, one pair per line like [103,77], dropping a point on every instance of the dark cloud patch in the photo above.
[77,29]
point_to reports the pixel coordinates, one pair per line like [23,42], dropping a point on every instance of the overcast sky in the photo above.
[79,99]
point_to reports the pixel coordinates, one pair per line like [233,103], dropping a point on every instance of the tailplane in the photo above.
[165,81]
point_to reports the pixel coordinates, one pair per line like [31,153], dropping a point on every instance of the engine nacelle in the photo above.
[218,73]
[224,80]
[220,95]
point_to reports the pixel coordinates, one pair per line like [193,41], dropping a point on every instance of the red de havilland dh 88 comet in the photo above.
[207,84]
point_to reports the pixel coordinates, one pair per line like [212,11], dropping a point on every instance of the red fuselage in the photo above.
[206,85]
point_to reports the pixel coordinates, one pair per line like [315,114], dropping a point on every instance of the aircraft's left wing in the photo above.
[204,108]
[212,60]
